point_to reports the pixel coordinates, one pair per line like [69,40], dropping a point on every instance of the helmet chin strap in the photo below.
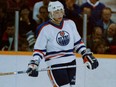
[52,18]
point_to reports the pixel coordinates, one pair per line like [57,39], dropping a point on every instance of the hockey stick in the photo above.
[40,70]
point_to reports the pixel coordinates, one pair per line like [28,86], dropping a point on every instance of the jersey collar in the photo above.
[57,26]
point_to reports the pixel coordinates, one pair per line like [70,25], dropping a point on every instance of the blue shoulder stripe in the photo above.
[40,27]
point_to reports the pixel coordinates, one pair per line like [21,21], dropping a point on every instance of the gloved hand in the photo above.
[33,68]
[90,60]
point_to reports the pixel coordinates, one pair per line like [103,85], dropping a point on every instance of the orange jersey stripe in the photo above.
[54,56]
[39,51]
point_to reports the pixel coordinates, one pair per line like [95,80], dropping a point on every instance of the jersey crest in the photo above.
[63,38]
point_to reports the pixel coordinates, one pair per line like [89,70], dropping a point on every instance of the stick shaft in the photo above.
[40,70]
[62,67]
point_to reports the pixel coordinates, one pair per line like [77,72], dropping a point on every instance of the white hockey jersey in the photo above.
[57,43]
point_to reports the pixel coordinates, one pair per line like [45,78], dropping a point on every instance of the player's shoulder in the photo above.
[68,20]
[42,26]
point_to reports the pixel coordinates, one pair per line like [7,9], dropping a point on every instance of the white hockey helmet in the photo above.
[56,5]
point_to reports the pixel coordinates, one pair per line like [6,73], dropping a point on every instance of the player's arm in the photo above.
[80,48]
[38,54]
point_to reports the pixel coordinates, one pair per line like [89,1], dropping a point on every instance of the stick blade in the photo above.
[7,73]
[11,73]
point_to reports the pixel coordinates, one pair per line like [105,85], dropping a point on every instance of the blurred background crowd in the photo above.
[101,26]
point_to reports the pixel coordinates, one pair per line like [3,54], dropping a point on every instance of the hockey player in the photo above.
[56,42]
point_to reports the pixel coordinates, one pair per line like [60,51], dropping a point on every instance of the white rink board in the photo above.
[103,76]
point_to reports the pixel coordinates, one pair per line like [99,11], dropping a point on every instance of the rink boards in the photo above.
[103,76]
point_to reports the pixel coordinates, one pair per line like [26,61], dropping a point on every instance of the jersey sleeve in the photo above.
[79,45]
[40,45]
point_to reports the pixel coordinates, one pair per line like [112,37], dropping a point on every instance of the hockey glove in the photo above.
[90,60]
[33,68]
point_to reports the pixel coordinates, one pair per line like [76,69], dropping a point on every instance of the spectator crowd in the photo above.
[101,29]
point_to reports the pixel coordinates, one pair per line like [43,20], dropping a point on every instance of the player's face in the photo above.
[58,15]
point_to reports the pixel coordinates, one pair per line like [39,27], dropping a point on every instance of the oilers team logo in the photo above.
[63,38]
